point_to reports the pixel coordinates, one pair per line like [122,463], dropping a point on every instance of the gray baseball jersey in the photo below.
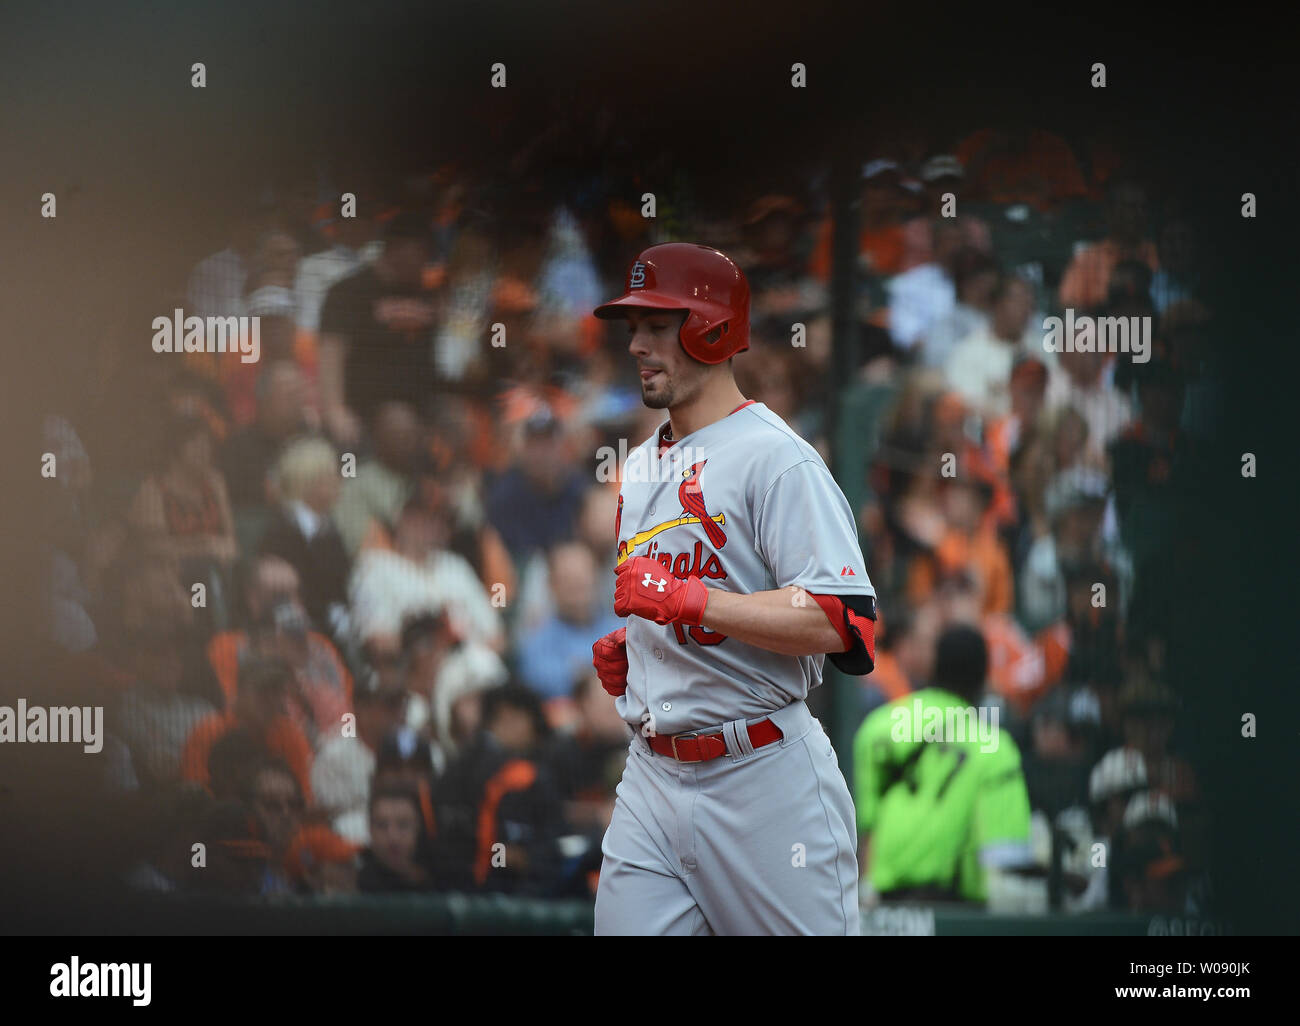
[761,840]
[773,517]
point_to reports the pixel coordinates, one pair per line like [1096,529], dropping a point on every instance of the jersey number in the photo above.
[909,769]
[700,635]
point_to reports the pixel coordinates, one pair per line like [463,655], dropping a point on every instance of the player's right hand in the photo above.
[609,657]
[645,588]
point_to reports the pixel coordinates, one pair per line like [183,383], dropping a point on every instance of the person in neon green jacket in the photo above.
[940,794]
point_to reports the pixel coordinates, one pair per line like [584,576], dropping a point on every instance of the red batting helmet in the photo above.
[700,280]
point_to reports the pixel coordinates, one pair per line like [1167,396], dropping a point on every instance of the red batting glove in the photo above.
[645,588]
[609,657]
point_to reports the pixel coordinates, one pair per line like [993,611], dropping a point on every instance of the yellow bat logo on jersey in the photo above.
[628,548]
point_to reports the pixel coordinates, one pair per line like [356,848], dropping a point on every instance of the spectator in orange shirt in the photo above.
[277,626]
[1028,392]
[320,696]
[971,540]
[950,425]
[1086,282]
[261,708]
[880,239]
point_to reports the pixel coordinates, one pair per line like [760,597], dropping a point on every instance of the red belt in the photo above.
[691,746]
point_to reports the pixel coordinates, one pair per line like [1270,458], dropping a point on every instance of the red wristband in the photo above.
[694,599]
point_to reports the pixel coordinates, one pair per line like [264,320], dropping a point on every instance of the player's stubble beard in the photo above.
[679,386]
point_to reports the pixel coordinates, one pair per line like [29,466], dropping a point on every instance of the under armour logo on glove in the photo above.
[661,599]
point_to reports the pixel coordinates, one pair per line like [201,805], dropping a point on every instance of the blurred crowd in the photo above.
[340,602]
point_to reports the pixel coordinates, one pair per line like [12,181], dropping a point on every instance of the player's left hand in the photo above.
[609,657]
[643,587]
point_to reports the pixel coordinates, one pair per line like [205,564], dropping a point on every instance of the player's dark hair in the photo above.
[961,661]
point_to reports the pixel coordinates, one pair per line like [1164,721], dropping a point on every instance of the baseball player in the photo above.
[738,571]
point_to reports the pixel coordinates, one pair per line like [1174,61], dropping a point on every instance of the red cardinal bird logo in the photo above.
[692,497]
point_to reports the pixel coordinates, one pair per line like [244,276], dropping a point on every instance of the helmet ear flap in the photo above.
[716,333]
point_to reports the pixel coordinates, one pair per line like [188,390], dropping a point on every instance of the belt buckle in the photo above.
[685,735]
